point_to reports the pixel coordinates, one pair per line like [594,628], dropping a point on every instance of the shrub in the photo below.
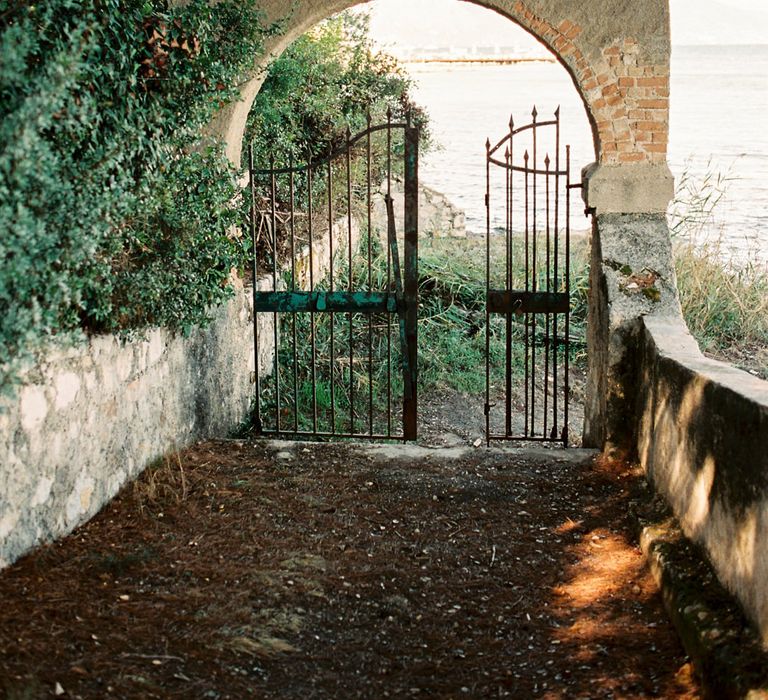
[115,215]
[724,300]
[725,305]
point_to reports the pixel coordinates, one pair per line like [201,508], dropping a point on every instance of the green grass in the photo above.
[725,305]
[452,317]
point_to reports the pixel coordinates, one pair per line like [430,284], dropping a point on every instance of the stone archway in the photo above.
[618,59]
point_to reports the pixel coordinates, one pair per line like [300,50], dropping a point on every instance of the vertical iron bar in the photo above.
[293,288]
[330,282]
[511,198]
[534,285]
[389,279]
[254,274]
[556,270]
[487,407]
[508,285]
[370,277]
[566,377]
[312,289]
[350,287]
[411,282]
[527,282]
[273,218]
[549,280]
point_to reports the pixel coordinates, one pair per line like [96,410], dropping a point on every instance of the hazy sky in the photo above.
[420,23]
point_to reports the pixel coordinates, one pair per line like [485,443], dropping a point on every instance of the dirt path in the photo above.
[448,418]
[283,570]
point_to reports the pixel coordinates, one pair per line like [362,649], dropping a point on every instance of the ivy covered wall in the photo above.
[116,211]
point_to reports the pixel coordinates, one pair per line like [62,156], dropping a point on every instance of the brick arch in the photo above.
[622,80]
[617,54]
[627,101]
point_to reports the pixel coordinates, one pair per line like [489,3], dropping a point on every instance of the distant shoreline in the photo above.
[503,61]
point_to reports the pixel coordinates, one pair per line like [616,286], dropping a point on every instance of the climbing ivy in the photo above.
[115,213]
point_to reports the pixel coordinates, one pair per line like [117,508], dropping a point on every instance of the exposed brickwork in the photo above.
[629,101]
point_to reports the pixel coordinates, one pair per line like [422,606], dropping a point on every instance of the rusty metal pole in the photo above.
[411,281]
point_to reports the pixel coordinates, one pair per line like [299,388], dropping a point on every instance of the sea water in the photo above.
[718,129]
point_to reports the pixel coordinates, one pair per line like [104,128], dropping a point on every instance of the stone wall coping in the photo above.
[674,341]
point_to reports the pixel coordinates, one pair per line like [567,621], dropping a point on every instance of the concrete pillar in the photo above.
[631,275]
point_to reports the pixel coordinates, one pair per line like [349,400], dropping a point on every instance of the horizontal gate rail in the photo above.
[346,302]
[512,302]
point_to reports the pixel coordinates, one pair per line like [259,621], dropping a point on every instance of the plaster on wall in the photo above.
[702,438]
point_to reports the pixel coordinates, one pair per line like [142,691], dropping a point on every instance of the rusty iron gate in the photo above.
[335,311]
[528,282]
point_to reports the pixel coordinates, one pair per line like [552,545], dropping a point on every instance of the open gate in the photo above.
[528,282]
[335,311]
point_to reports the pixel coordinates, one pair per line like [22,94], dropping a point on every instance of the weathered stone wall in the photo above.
[343,237]
[698,427]
[88,419]
[702,437]
[438,216]
[631,275]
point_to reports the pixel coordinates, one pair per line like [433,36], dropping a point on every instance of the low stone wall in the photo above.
[88,419]
[703,441]
[438,216]
[343,237]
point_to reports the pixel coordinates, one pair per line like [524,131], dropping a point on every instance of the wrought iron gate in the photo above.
[528,282]
[335,313]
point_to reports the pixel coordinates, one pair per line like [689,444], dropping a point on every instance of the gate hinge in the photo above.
[486,199]
[487,409]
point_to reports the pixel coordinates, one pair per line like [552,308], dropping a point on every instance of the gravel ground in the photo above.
[296,570]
